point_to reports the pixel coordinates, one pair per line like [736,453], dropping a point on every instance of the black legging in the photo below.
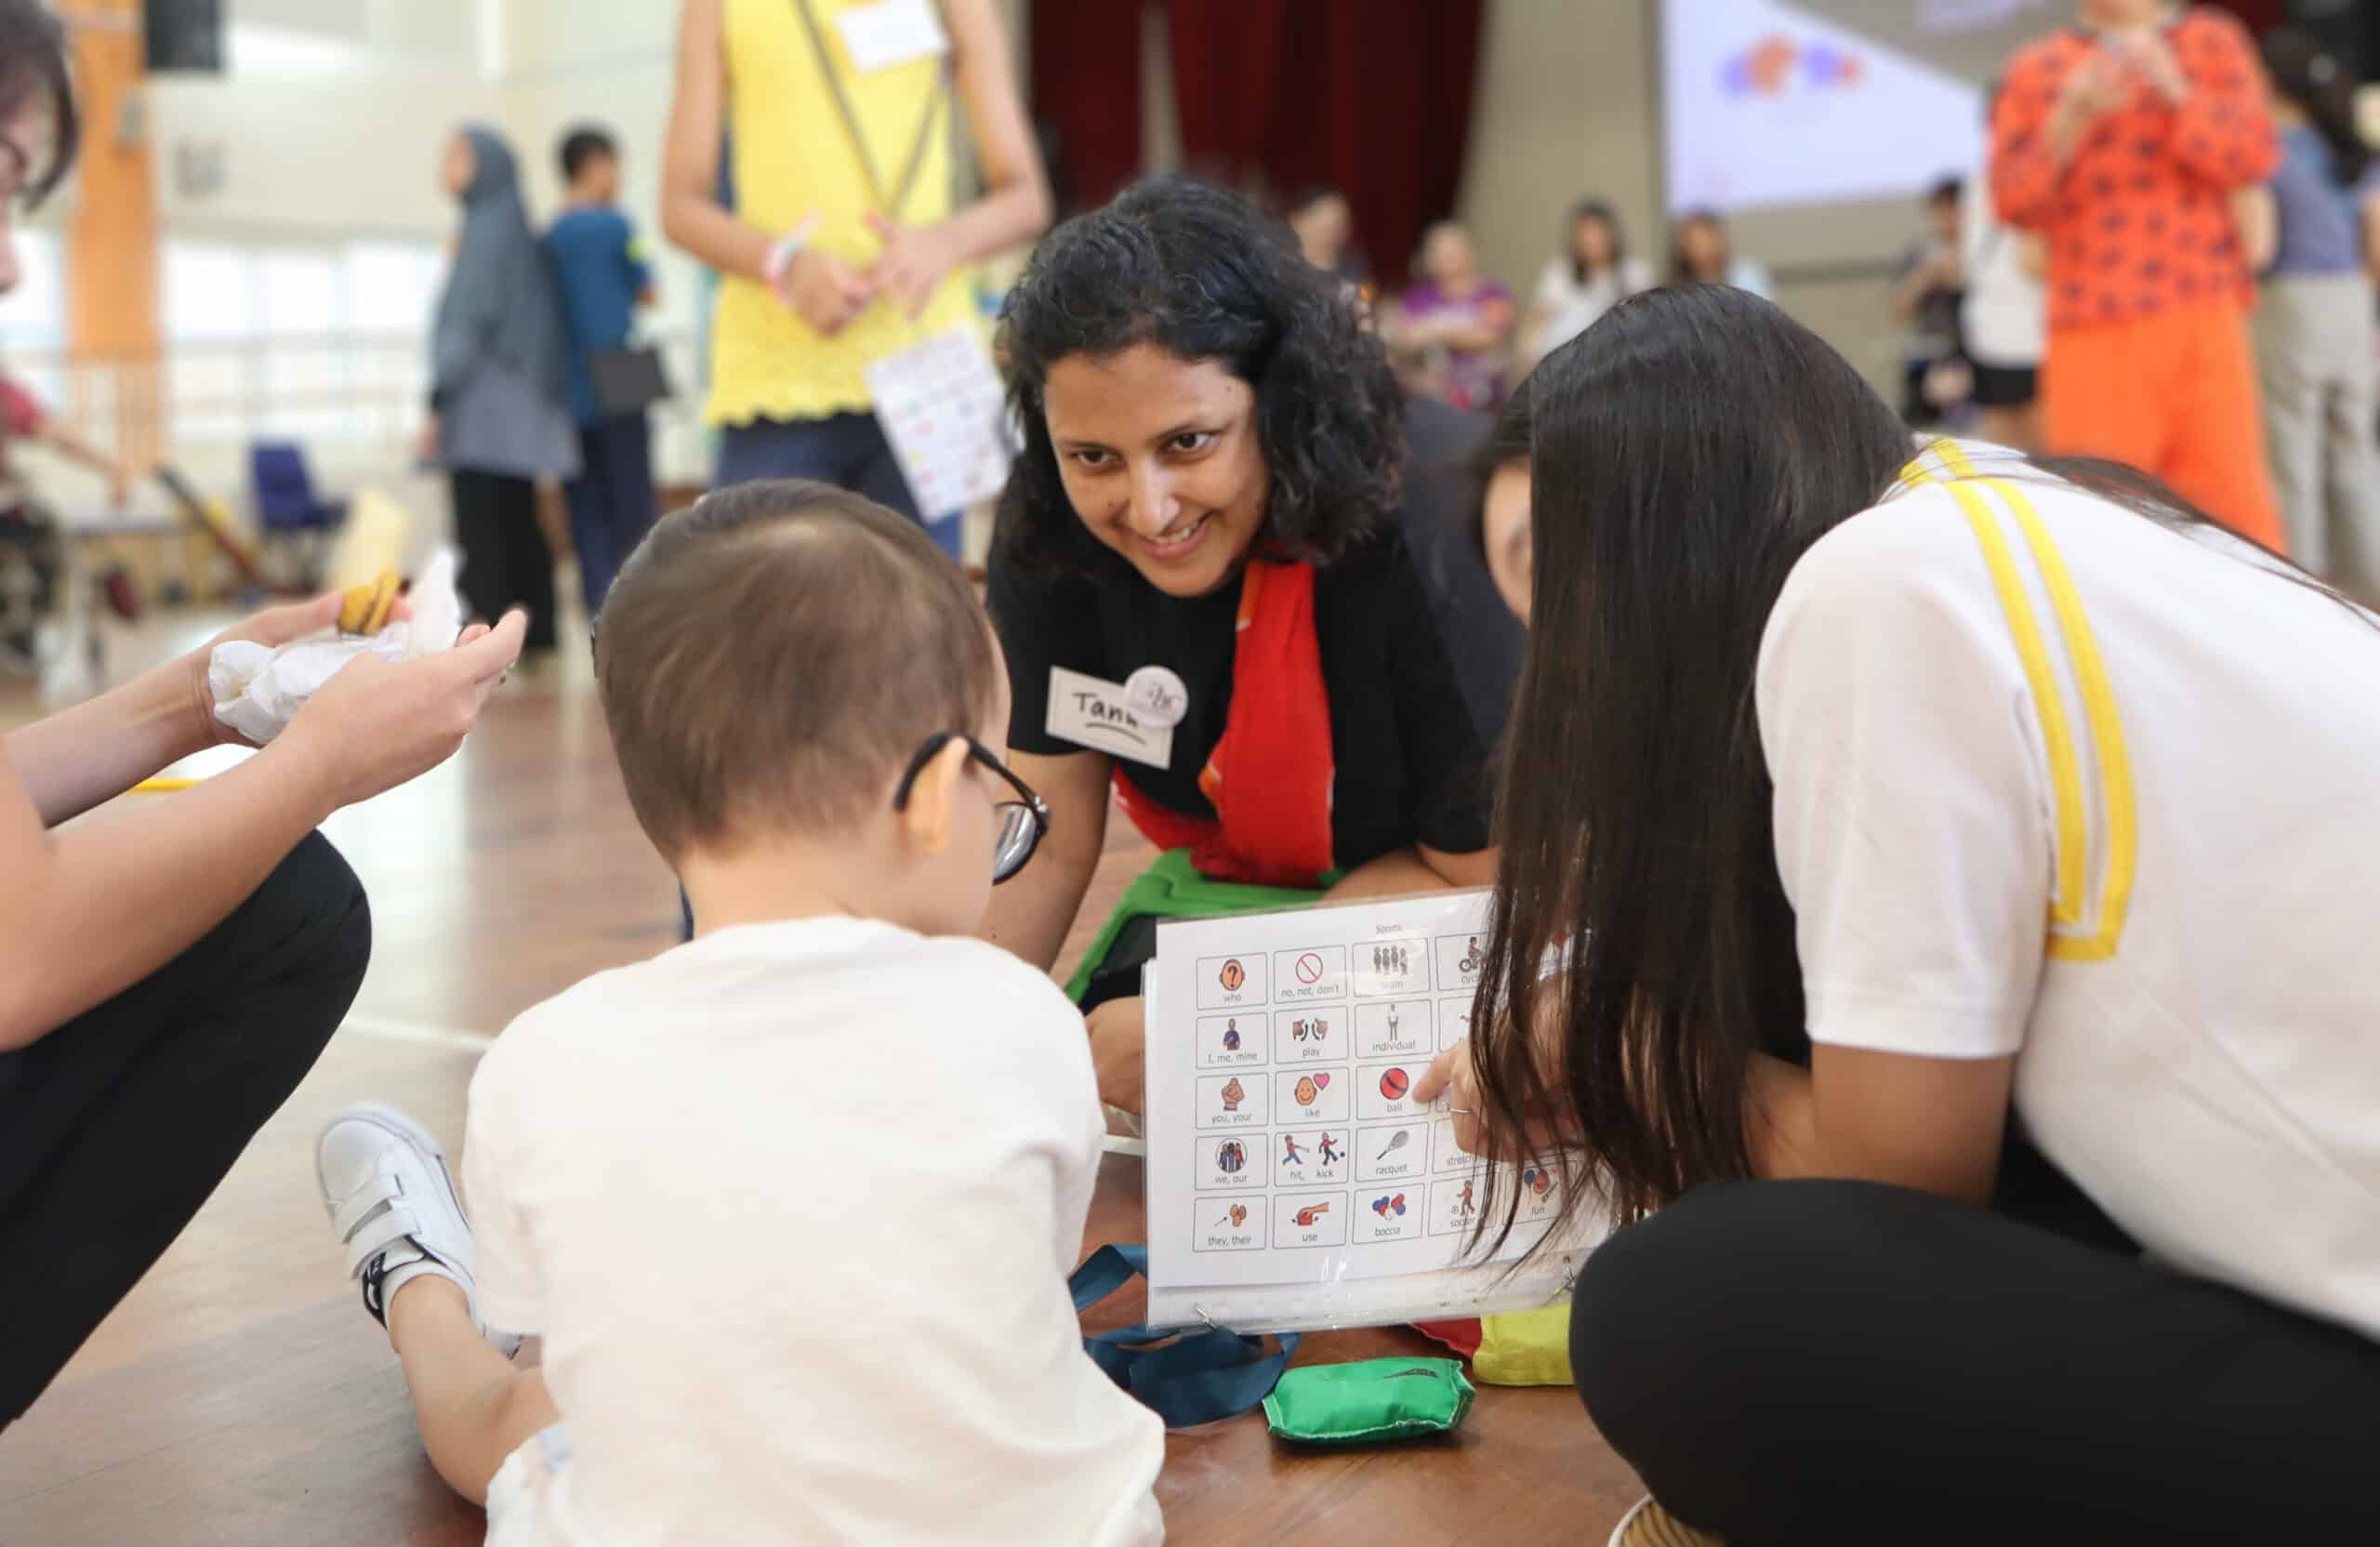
[506,561]
[116,1127]
[1838,1361]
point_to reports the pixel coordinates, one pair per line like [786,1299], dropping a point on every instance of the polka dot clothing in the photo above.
[2139,219]
[2148,360]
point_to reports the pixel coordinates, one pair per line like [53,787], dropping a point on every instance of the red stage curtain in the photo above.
[1372,96]
[1227,75]
[1087,89]
[2262,16]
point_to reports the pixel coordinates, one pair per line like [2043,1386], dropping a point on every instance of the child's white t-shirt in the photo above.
[2057,780]
[793,1207]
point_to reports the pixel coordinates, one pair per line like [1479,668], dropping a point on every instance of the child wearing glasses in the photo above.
[758,1323]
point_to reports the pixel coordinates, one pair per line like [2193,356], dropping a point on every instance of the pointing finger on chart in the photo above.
[1450,1076]
[1441,1073]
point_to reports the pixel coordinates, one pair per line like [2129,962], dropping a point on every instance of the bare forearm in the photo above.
[1407,340]
[97,749]
[75,933]
[1002,218]
[1015,206]
[1398,873]
[2066,130]
[1780,1120]
[1530,344]
[2033,256]
[1031,916]
[76,449]
[1931,1124]
[707,229]
[1473,338]
[1910,292]
[692,215]
[2252,213]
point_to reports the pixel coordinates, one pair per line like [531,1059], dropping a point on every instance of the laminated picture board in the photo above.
[1293,1182]
[943,410]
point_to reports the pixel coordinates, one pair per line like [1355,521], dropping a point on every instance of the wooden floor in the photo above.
[241,1396]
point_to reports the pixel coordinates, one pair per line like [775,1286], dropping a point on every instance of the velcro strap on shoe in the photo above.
[359,1209]
[374,1236]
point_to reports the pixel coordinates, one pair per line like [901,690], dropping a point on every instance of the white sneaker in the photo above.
[393,1203]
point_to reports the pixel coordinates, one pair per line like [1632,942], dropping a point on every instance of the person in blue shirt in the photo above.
[599,264]
[2317,229]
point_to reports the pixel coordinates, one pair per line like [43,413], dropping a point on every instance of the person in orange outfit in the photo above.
[2123,141]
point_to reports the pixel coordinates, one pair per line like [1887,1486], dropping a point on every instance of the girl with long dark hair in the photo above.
[1592,273]
[1936,888]
[2313,325]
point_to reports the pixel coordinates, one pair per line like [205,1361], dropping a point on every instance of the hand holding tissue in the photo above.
[258,689]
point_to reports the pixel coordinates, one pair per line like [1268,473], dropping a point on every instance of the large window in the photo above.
[211,293]
[392,285]
[313,342]
[32,316]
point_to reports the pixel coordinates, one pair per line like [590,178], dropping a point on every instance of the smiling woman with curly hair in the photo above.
[1224,583]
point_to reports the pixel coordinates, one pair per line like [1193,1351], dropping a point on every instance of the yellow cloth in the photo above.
[791,158]
[1525,1348]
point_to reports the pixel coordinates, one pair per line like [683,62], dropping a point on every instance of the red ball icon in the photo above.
[1393,1084]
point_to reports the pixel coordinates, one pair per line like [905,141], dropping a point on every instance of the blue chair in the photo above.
[292,517]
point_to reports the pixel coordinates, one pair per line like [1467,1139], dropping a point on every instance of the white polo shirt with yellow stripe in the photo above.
[2057,780]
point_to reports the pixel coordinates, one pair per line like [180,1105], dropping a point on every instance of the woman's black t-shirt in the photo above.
[1419,657]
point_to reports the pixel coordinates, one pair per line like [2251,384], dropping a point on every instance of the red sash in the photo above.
[1269,777]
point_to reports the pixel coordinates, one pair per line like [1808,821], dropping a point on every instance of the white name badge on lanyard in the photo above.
[890,32]
[1093,713]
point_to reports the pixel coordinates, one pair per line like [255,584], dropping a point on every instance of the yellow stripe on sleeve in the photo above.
[2049,706]
[2106,733]
[2069,908]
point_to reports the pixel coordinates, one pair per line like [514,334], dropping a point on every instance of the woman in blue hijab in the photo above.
[500,391]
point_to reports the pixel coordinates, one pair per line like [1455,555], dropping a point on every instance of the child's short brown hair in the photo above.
[773,657]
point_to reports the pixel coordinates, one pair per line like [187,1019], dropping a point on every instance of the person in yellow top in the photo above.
[842,244]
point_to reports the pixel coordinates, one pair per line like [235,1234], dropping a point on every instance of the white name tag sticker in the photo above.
[891,33]
[1093,713]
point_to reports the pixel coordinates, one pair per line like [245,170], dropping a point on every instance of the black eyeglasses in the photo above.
[1023,821]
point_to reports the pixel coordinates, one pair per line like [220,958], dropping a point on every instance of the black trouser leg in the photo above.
[529,560]
[506,560]
[486,580]
[116,1127]
[1837,1361]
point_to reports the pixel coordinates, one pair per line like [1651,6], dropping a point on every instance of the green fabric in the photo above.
[1372,1399]
[1173,889]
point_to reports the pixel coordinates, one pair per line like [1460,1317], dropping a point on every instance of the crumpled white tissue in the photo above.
[258,689]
